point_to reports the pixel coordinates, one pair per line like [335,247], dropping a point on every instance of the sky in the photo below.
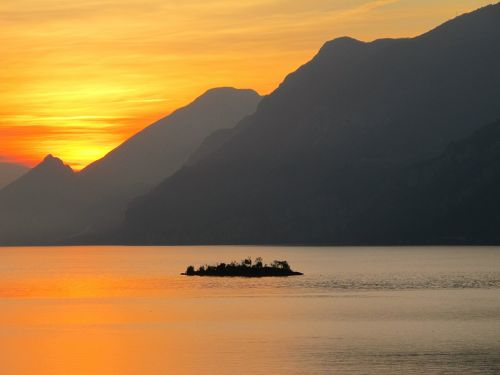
[78,77]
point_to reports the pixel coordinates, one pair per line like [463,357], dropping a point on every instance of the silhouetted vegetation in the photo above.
[246,268]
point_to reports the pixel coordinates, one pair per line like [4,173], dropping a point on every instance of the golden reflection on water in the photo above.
[128,311]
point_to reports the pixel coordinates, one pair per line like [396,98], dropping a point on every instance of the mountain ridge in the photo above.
[24,205]
[66,206]
[9,172]
[303,165]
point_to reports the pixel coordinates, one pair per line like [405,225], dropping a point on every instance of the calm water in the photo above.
[126,310]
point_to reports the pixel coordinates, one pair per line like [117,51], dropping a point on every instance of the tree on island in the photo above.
[246,268]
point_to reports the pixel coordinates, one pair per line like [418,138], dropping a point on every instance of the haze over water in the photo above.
[126,310]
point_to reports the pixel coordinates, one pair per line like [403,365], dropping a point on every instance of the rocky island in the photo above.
[246,268]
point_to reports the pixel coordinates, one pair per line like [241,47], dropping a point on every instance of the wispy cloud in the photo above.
[78,77]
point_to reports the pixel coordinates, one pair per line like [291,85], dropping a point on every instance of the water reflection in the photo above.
[128,311]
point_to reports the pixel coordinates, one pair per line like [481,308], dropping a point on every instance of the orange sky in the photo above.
[78,77]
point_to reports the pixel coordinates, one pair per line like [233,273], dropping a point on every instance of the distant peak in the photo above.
[225,94]
[223,91]
[50,157]
[342,42]
[51,162]
[343,46]
[220,89]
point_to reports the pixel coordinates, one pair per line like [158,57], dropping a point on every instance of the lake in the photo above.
[127,310]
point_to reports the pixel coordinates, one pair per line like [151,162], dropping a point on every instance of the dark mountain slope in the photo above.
[109,184]
[320,147]
[452,199]
[34,206]
[9,172]
[163,147]
[52,205]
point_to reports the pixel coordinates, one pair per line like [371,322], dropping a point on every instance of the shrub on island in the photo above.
[246,268]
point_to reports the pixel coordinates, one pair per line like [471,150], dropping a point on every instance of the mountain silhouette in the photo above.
[323,146]
[94,200]
[10,172]
[139,164]
[450,199]
[33,207]
[162,148]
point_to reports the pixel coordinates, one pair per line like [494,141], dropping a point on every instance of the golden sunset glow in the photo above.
[78,77]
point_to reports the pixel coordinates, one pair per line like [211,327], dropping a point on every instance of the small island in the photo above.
[246,268]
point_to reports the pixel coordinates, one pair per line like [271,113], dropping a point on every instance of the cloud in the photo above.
[79,77]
